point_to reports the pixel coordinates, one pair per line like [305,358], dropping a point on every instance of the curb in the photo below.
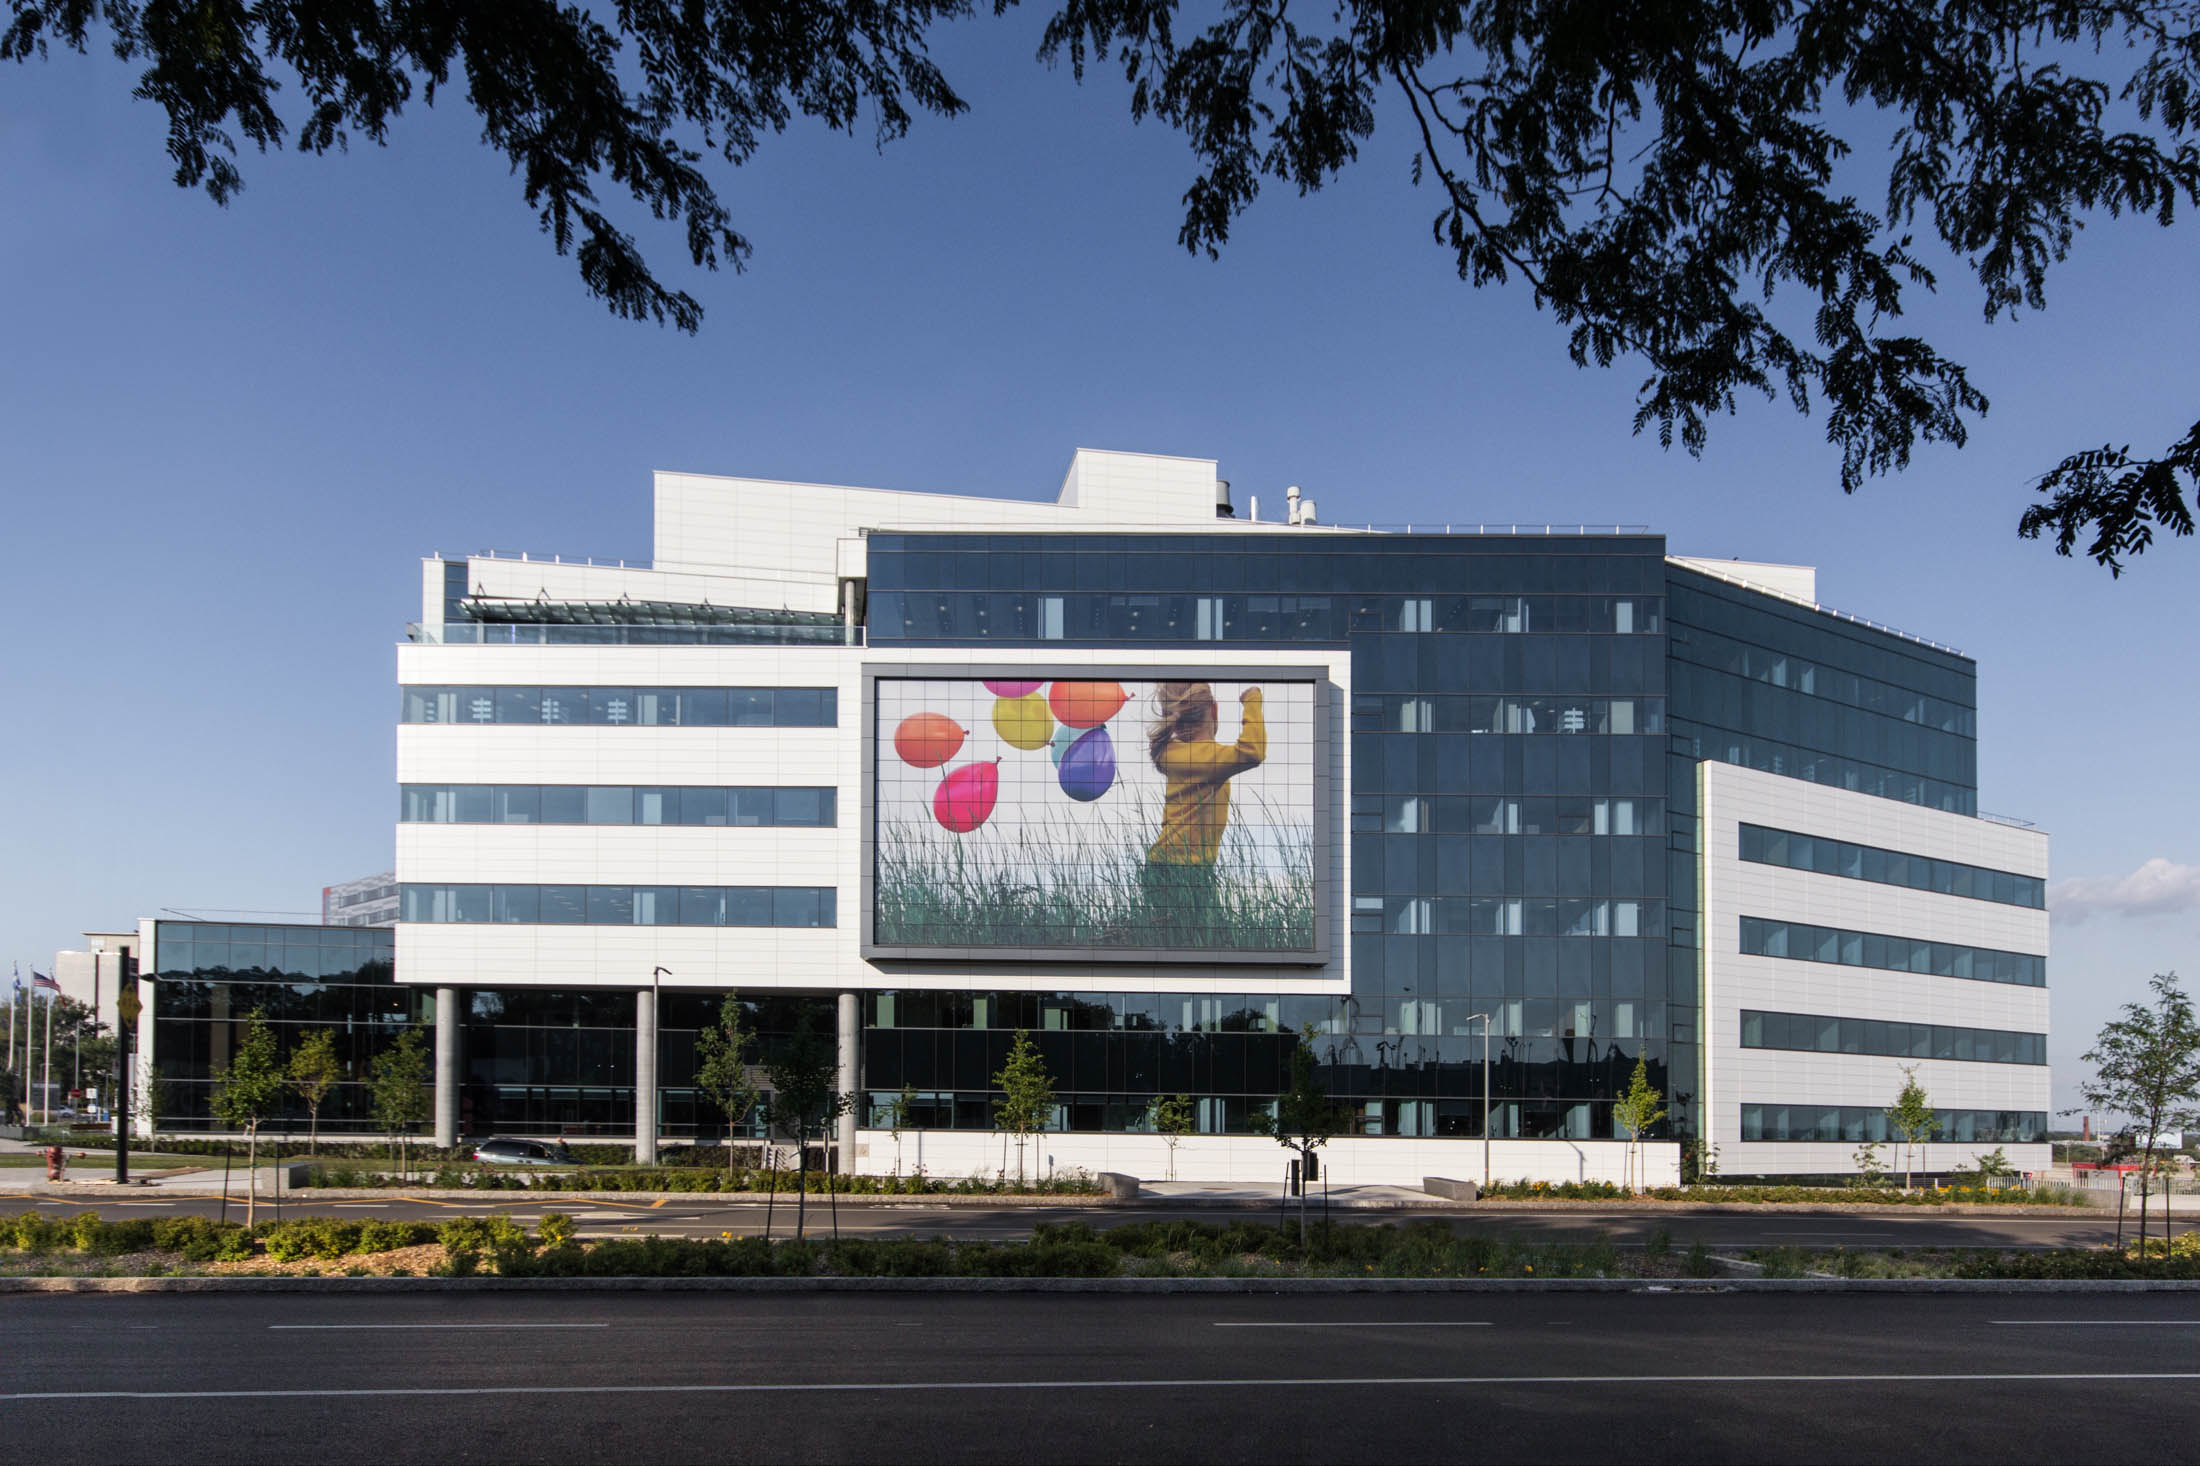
[527,1196]
[1136,1286]
[1144,1201]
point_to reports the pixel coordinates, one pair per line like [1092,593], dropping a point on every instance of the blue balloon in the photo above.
[1064,736]
[1088,768]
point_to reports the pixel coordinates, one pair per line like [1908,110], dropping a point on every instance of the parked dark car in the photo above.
[509,1150]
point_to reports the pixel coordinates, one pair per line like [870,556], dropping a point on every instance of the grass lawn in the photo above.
[94,1160]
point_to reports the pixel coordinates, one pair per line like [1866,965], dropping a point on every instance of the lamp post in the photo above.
[127,1008]
[1484,1019]
[646,1087]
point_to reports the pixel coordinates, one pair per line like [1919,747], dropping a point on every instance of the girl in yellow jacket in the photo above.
[1179,877]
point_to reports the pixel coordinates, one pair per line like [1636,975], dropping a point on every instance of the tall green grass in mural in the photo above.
[1063,883]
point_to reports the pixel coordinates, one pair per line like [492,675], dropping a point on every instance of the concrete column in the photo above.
[850,1036]
[645,1077]
[446,1066]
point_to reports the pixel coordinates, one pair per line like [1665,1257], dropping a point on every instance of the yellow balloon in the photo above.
[1023,722]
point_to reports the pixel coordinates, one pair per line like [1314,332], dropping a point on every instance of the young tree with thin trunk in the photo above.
[1174,1117]
[1911,1117]
[802,1094]
[314,1071]
[723,1066]
[2146,1064]
[247,1090]
[1642,1106]
[1027,1095]
[398,1090]
[1305,1118]
[899,1111]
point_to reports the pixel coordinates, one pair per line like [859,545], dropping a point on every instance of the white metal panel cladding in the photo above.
[1734,1076]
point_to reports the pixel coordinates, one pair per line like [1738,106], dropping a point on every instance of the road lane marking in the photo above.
[143,1203]
[888,1387]
[2099,1323]
[1426,1323]
[323,1326]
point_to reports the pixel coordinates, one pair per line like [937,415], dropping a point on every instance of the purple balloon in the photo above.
[1088,768]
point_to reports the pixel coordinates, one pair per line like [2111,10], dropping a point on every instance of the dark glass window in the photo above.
[1889,867]
[598,804]
[1856,1123]
[761,707]
[1803,942]
[1811,1034]
[795,906]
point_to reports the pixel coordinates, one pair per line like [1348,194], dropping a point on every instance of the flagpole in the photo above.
[49,1059]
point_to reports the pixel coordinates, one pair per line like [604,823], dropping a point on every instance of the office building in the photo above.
[1166,784]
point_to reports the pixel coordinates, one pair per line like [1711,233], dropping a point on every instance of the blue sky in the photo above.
[230,435]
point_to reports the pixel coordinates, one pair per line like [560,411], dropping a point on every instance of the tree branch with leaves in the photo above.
[1026,1104]
[247,1091]
[2146,1065]
[724,1070]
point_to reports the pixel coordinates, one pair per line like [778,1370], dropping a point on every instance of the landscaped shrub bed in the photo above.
[1815,1195]
[684,1179]
[1426,1249]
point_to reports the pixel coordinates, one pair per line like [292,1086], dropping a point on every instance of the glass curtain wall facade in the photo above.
[542,1062]
[210,977]
[1767,684]
[1507,819]
[534,1061]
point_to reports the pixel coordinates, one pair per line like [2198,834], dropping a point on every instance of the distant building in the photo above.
[94,975]
[367,901]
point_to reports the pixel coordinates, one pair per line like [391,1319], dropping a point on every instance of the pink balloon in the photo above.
[1013,689]
[966,797]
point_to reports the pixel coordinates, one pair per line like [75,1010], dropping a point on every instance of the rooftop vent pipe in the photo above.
[1222,500]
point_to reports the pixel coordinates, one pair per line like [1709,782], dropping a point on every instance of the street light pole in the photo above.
[127,1008]
[1485,1021]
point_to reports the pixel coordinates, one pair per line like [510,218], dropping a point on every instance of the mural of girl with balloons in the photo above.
[1006,817]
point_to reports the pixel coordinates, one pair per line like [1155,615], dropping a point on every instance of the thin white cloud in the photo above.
[2158,888]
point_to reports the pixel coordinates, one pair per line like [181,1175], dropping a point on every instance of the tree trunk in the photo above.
[313,1129]
[802,1178]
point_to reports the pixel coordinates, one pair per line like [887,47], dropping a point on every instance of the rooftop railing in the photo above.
[521,633]
[1823,609]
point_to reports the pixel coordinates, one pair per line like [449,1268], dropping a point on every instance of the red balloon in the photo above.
[966,797]
[1013,689]
[1086,704]
[927,740]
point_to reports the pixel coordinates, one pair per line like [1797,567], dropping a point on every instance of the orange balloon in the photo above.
[1086,704]
[927,740]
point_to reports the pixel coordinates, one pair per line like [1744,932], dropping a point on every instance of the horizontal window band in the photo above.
[1824,856]
[631,707]
[1802,942]
[618,804]
[548,905]
[1861,1124]
[1811,1033]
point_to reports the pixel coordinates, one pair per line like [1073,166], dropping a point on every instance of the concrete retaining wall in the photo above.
[1253,1160]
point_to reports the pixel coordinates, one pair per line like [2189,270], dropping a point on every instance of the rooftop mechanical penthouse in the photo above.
[1164,783]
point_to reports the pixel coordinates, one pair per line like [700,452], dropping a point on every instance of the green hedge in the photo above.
[1424,1249]
[1819,1195]
[686,1179]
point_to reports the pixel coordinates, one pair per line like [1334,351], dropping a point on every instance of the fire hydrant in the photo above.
[57,1163]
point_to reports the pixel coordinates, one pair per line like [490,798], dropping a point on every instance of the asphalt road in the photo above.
[700,1216]
[897,1378]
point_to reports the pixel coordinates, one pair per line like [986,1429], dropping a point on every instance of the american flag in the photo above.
[40,980]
